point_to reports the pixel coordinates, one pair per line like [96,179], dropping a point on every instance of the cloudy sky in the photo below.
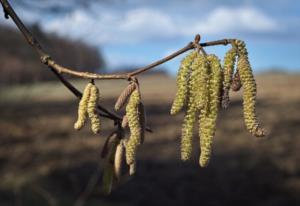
[136,32]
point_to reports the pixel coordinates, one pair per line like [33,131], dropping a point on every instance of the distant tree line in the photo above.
[20,64]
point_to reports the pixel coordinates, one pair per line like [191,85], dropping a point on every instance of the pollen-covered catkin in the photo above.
[229,62]
[249,92]
[134,126]
[124,96]
[92,104]
[208,116]
[182,83]
[82,108]
[196,99]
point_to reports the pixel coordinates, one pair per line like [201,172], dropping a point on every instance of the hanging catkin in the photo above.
[124,96]
[132,115]
[91,109]
[182,83]
[82,108]
[249,92]
[208,115]
[195,92]
[229,63]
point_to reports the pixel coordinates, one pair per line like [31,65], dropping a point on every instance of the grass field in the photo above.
[43,161]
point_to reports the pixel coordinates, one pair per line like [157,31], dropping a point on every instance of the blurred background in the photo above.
[43,161]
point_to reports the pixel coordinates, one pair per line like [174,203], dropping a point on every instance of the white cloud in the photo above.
[244,19]
[136,25]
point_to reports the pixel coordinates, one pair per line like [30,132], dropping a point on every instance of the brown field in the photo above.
[43,161]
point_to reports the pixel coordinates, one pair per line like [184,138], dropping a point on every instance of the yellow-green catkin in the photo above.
[182,83]
[208,115]
[91,109]
[196,90]
[82,108]
[249,92]
[108,171]
[134,126]
[229,63]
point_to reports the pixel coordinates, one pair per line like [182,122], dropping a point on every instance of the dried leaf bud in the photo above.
[132,168]
[108,171]
[119,159]
[124,122]
[236,82]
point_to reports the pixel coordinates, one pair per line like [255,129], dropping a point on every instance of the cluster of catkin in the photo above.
[134,119]
[203,85]
[87,108]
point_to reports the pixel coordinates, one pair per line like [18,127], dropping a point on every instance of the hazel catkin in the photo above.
[134,126]
[208,115]
[82,108]
[91,109]
[196,99]
[124,96]
[182,83]
[249,92]
[229,63]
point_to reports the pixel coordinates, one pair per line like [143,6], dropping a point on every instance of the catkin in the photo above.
[119,159]
[249,92]
[196,99]
[91,109]
[82,108]
[182,83]
[134,126]
[229,62]
[124,96]
[208,115]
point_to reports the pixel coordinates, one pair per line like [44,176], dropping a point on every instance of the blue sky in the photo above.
[137,32]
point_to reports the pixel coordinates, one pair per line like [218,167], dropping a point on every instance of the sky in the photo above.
[138,32]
